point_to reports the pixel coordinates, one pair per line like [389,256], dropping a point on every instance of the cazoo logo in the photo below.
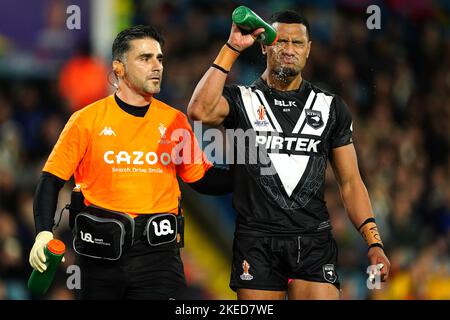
[136,157]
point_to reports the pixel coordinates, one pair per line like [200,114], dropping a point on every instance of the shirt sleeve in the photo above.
[342,134]
[69,149]
[192,163]
[231,93]
[45,201]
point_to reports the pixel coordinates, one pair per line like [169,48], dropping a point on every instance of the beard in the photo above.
[284,73]
[151,88]
[142,85]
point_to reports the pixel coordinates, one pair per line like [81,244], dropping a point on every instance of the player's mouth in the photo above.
[154,79]
[289,60]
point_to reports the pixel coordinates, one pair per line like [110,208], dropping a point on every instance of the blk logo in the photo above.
[283,103]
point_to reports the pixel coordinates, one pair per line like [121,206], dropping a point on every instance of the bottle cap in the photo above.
[56,246]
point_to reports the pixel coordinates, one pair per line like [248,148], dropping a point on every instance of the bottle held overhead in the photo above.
[247,21]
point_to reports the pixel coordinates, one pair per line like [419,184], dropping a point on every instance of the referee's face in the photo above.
[143,66]
[287,58]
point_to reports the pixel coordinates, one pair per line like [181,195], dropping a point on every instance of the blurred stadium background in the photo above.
[396,81]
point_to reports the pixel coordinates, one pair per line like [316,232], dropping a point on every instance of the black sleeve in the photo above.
[216,181]
[231,94]
[45,201]
[343,131]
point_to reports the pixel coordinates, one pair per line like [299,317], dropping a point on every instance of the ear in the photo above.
[118,68]
[309,49]
[263,49]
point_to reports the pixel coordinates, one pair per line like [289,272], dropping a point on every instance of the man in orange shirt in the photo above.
[125,152]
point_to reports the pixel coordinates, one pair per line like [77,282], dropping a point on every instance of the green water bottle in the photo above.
[249,21]
[38,283]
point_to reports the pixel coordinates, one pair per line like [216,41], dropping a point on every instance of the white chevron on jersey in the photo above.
[321,104]
[251,105]
[269,110]
[302,117]
[290,169]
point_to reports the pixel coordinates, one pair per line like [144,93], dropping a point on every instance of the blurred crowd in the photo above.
[396,81]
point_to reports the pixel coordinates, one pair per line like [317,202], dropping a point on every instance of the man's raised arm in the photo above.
[207,103]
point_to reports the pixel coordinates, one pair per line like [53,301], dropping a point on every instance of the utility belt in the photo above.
[105,234]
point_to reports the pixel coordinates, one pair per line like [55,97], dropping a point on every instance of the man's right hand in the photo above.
[37,254]
[241,41]
[377,257]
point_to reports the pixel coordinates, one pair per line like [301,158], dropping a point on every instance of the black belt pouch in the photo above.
[102,234]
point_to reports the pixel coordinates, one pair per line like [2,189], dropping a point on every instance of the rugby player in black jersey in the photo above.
[283,229]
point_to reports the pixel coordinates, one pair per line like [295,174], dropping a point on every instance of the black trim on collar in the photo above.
[136,111]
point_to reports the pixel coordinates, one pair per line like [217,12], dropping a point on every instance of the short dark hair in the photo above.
[122,42]
[290,16]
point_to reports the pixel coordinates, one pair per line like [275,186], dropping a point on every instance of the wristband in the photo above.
[219,68]
[226,58]
[369,232]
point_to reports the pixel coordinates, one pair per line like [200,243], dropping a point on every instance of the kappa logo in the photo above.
[107,131]
[314,118]
[328,273]
[246,275]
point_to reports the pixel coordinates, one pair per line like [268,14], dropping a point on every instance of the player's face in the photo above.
[288,56]
[143,66]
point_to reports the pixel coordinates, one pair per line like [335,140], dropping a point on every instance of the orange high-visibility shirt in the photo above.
[128,163]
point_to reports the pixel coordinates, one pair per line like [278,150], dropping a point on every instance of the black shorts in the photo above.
[140,274]
[267,263]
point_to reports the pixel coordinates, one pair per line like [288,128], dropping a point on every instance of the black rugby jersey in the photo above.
[282,142]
